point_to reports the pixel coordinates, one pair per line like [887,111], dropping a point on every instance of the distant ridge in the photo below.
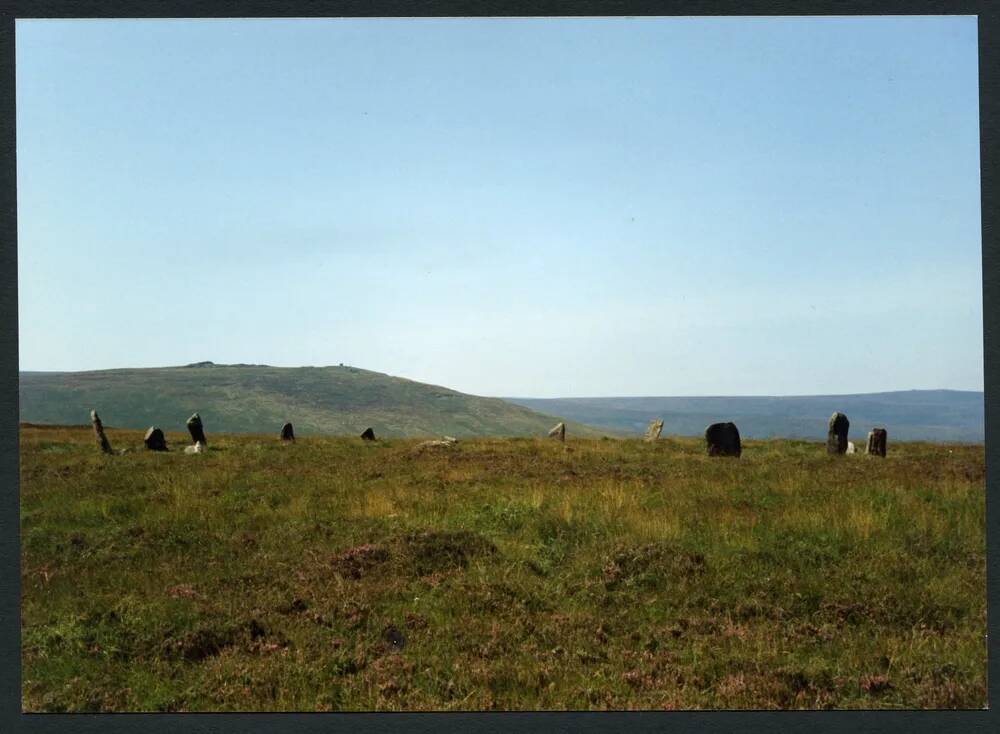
[236,364]
[909,415]
[244,398]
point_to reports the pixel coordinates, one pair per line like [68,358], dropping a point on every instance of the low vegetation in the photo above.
[337,574]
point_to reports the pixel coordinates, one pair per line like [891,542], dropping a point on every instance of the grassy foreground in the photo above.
[498,574]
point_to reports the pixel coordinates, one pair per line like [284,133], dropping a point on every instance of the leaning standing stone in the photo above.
[723,439]
[653,431]
[102,440]
[287,434]
[836,436]
[154,439]
[877,438]
[368,435]
[196,429]
[558,431]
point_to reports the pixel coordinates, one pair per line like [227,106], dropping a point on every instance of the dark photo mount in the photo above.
[11,717]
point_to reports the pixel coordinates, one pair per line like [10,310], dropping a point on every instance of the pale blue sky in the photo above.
[529,207]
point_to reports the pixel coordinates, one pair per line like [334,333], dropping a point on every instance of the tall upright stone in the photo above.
[154,439]
[877,439]
[558,431]
[723,439]
[836,435]
[653,430]
[102,440]
[287,433]
[368,435]
[196,429]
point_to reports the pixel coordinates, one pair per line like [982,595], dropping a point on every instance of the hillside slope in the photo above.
[910,415]
[259,398]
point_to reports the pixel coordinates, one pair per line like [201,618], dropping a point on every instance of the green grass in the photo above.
[335,574]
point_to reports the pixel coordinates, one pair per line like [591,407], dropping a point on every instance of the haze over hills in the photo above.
[246,398]
[909,415]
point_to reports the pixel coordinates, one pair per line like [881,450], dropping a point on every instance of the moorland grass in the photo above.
[338,574]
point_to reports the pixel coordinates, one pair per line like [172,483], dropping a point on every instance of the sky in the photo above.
[508,207]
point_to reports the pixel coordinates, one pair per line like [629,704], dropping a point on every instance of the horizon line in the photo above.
[207,364]
[780,397]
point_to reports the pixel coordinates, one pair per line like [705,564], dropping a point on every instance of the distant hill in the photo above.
[911,415]
[258,399]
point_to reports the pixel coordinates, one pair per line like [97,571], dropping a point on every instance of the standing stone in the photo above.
[876,442]
[558,431]
[653,431]
[154,439]
[198,448]
[196,429]
[836,437]
[723,439]
[287,434]
[102,440]
[368,435]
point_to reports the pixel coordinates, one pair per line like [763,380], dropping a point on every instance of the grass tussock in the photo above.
[337,574]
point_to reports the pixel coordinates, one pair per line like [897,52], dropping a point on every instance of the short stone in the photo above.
[154,439]
[877,439]
[723,439]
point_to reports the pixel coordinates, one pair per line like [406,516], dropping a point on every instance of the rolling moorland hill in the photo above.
[258,399]
[910,415]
